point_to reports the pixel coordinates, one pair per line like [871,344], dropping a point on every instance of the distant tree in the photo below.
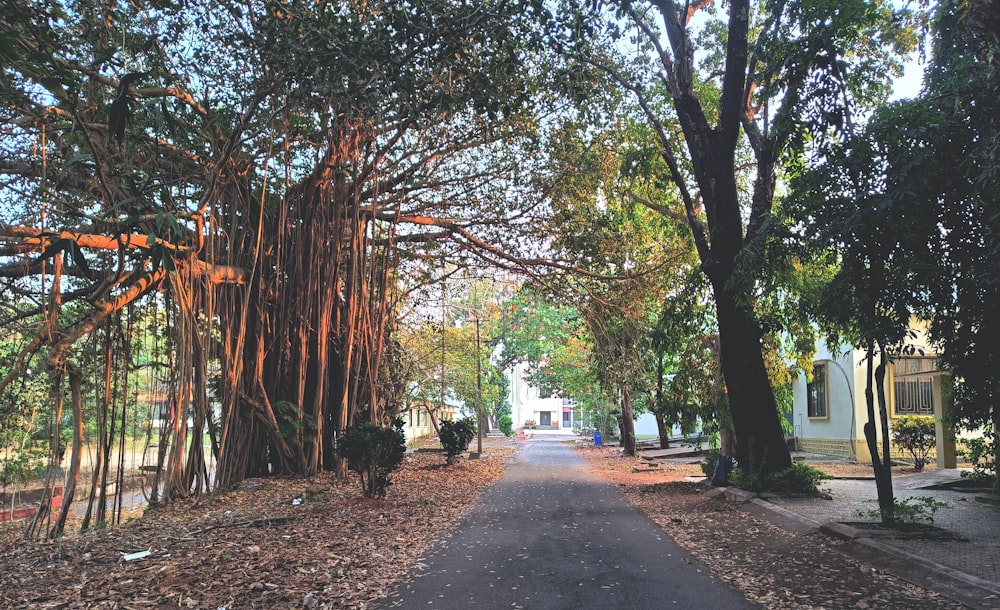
[688,388]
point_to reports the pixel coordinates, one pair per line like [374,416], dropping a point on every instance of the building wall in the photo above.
[841,432]
[835,433]
[417,422]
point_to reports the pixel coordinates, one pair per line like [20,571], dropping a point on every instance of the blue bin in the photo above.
[598,440]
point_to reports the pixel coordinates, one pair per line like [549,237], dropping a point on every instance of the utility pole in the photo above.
[479,388]
[443,324]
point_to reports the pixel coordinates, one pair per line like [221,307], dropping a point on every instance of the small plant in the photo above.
[799,478]
[530,423]
[456,436]
[909,511]
[917,436]
[506,425]
[373,452]
[747,479]
[979,452]
[711,460]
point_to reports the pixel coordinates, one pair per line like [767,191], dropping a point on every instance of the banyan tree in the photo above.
[207,206]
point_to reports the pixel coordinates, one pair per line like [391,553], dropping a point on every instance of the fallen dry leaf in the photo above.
[252,548]
[772,567]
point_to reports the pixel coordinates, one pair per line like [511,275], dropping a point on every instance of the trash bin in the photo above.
[720,478]
[598,441]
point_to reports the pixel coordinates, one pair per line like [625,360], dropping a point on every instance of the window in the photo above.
[914,394]
[816,394]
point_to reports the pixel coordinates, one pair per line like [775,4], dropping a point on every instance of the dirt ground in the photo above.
[272,543]
[293,543]
[772,567]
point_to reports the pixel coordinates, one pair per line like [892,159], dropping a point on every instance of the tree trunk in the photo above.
[662,431]
[74,465]
[627,422]
[882,468]
[760,441]
[661,425]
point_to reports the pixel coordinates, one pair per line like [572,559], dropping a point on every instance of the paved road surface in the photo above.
[550,535]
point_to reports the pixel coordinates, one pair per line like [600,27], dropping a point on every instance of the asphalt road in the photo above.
[550,535]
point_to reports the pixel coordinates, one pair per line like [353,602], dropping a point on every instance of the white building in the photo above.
[527,405]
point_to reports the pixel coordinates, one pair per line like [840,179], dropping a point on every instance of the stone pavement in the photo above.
[964,563]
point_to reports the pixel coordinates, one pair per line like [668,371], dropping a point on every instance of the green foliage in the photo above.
[374,453]
[909,206]
[506,425]
[709,462]
[456,436]
[799,478]
[909,511]
[293,428]
[25,465]
[745,478]
[917,436]
[979,452]
[687,375]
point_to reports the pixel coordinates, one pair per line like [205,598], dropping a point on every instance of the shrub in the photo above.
[916,436]
[746,479]
[373,452]
[456,436]
[711,460]
[25,465]
[506,425]
[529,423]
[979,452]
[798,478]
[909,511]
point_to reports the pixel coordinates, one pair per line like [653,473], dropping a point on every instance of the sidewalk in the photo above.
[963,560]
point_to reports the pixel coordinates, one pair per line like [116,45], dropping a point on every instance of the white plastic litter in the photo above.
[134,556]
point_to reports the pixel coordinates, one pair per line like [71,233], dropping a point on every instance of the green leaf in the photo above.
[104,56]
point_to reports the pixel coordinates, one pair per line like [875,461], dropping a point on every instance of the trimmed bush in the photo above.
[916,436]
[506,425]
[456,436]
[373,452]
[800,478]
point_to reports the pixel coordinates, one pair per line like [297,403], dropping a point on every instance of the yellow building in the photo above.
[418,419]
[829,412]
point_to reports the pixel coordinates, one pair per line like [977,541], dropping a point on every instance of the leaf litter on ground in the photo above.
[253,546]
[770,566]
